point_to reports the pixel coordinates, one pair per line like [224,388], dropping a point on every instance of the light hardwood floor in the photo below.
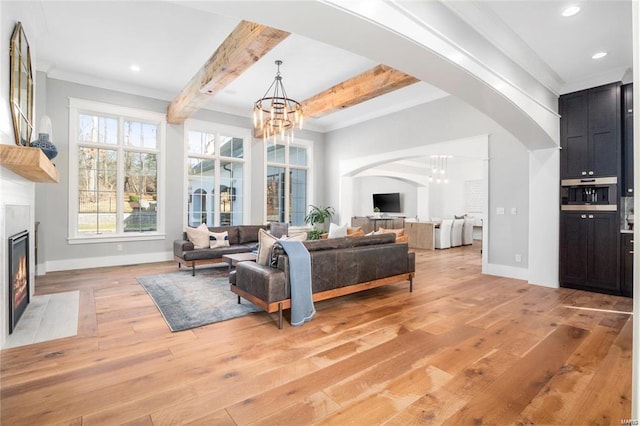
[463,348]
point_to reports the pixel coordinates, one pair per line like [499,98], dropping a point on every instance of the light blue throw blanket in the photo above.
[302,309]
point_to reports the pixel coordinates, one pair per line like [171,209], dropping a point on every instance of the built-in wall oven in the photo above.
[595,194]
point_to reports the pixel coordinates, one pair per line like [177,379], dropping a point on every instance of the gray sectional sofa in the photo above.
[242,239]
[338,266]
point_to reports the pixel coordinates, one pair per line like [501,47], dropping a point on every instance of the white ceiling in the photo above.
[96,42]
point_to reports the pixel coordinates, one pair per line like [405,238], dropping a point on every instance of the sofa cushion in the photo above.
[218,239]
[266,243]
[337,231]
[198,236]
[249,233]
[232,231]
[398,231]
[369,240]
[215,253]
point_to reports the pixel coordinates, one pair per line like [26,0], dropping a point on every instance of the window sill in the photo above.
[99,239]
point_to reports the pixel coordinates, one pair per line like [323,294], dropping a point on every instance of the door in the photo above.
[574,135]
[574,239]
[627,140]
[626,279]
[604,130]
[603,264]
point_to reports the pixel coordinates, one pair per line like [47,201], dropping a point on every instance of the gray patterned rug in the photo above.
[187,302]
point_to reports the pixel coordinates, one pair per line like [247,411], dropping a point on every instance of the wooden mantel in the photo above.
[30,163]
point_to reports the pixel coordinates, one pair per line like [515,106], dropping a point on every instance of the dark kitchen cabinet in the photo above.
[589,251]
[627,140]
[626,270]
[590,133]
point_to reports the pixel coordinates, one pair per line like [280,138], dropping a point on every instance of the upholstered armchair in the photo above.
[467,231]
[443,234]
[456,233]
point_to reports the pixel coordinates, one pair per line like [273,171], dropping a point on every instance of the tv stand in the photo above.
[369,224]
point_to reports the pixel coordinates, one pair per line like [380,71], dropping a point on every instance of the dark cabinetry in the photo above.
[627,140]
[590,132]
[626,270]
[589,251]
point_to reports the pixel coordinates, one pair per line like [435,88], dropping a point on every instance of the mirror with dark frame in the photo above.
[21,87]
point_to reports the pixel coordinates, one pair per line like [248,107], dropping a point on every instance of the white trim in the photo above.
[299,143]
[78,106]
[116,110]
[507,271]
[103,261]
[218,129]
[116,238]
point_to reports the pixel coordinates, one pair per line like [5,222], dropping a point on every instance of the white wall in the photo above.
[365,187]
[445,120]
[16,193]
[447,200]
[52,201]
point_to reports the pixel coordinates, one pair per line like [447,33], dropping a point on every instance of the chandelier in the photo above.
[277,115]
[438,168]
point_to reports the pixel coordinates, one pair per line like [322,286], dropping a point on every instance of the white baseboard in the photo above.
[507,271]
[97,262]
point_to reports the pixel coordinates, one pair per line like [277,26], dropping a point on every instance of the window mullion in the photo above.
[120,179]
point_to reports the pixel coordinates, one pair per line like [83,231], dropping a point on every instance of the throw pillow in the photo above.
[277,249]
[218,239]
[199,236]
[399,232]
[336,231]
[358,233]
[354,230]
[265,243]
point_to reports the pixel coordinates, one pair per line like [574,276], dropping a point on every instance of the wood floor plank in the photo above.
[512,392]
[461,347]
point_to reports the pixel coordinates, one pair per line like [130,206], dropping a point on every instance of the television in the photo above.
[387,203]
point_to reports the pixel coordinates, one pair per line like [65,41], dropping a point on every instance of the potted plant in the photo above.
[134,201]
[376,211]
[317,216]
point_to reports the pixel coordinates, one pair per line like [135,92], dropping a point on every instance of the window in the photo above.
[115,173]
[216,157]
[287,183]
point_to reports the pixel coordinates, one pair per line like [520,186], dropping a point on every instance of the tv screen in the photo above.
[387,203]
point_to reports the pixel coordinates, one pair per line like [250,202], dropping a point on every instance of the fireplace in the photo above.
[18,277]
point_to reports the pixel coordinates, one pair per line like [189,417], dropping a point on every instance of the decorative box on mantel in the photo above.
[30,163]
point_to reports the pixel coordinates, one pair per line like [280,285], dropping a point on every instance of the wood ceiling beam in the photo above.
[246,44]
[375,82]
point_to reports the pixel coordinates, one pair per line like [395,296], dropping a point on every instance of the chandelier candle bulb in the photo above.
[283,112]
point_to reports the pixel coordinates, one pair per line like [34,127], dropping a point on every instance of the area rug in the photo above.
[188,302]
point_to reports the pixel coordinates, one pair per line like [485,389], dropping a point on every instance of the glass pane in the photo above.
[140,189]
[201,143]
[297,156]
[298,197]
[231,190]
[97,203]
[201,180]
[143,135]
[275,153]
[231,147]
[97,129]
[275,194]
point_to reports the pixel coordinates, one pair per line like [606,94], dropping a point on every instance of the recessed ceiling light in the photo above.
[134,68]
[570,11]
[599,55]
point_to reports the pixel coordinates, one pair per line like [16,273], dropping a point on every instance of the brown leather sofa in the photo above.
[338,266]
[242,239]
